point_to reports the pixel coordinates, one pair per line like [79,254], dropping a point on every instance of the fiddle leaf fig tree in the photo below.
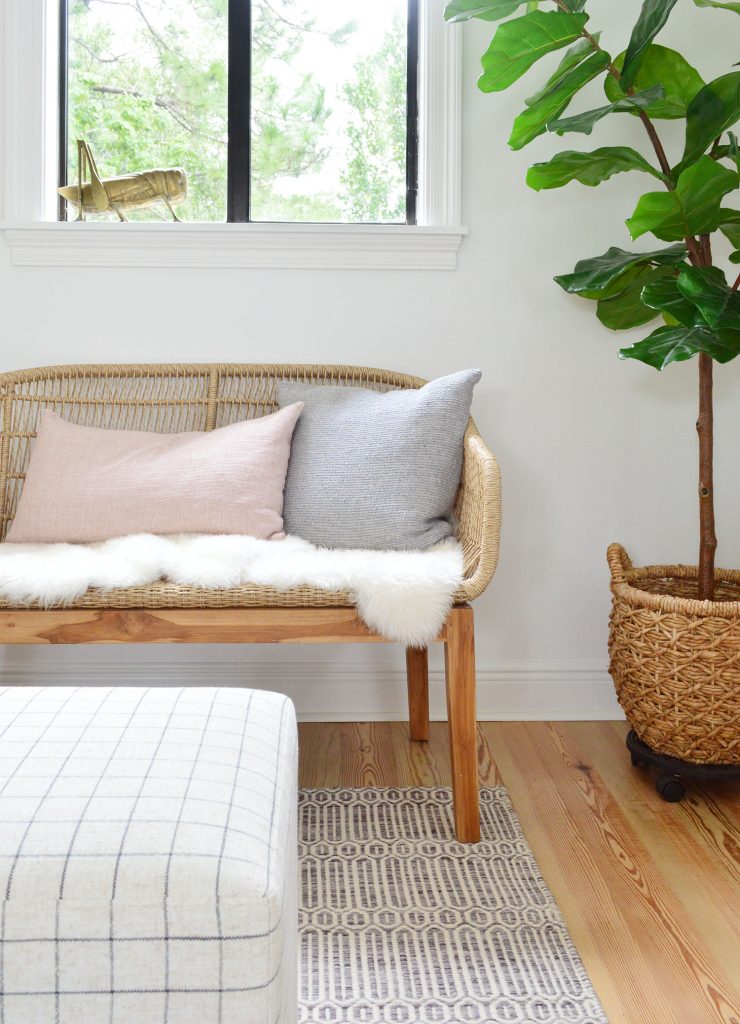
[689,200]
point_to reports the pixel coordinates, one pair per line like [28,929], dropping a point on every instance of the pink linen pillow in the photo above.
[89,484]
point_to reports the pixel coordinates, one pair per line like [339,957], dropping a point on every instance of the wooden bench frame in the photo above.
[288,626]
[178,397]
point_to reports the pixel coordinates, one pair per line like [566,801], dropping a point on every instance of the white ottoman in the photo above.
[147,856]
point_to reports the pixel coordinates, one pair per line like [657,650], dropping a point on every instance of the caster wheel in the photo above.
[670,788]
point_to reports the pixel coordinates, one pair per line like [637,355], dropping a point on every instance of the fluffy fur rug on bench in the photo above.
[403,595]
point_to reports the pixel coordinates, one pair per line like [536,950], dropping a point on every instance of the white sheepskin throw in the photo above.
[402,595]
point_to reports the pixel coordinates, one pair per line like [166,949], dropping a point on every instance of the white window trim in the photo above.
[31,144]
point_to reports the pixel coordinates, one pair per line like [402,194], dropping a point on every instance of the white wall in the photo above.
[592,449]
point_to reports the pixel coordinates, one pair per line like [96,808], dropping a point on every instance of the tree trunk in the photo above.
[705,430]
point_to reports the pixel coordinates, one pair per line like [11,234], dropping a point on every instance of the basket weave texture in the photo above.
[179,397]
[675,660]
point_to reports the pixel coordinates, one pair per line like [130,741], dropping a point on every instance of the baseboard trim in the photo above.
[331,691]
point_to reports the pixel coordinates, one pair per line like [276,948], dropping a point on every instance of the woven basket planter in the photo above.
[675,660]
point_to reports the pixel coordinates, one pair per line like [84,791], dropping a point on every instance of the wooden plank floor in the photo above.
[650,891]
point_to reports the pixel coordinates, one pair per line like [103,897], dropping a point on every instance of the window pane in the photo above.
[329,110]
[147,88]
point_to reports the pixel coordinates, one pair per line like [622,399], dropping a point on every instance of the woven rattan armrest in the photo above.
[478,511]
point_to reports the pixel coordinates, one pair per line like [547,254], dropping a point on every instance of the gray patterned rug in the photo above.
[402,924]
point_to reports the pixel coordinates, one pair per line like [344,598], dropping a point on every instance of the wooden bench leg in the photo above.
[461,715]
[417,677]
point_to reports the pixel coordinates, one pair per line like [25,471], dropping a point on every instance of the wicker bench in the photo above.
[181,397]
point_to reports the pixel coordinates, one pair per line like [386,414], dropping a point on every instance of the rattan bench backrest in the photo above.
[162,398]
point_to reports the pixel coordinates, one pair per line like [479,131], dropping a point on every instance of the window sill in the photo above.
[242,246]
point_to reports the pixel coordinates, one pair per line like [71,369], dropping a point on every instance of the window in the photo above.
[29,213]
[277,110]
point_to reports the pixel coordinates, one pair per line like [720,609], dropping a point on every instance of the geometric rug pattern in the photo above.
[401,924]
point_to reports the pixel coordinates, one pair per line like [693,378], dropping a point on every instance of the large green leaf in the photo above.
[534,120]
[708,290]
[626,309]
[729,225]
[600,271]
[713,110]
[617,286]
[653,16]
[723,5]
[487,10]
[663,296]
[585,122]
[588,168]
[675,344]
[661,66]
[692,208]
[571,59]
[518,44]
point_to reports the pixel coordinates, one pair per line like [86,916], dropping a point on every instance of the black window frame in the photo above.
[238,187]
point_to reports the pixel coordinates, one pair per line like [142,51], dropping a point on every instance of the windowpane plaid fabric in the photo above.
[147,856]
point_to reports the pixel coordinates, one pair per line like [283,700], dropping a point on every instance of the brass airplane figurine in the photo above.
[125,192]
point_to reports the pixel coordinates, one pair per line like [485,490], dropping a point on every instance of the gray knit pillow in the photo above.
[376,470]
